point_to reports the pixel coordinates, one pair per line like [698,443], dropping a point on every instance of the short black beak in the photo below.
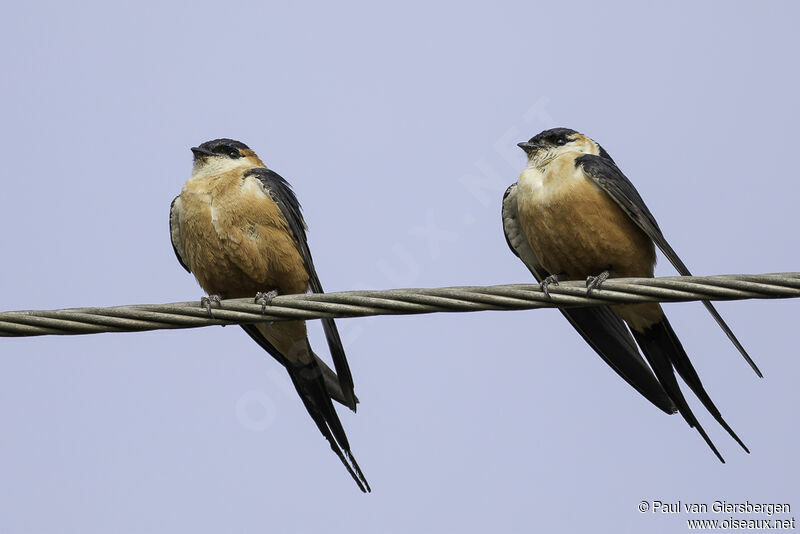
[201,152]
[529,147]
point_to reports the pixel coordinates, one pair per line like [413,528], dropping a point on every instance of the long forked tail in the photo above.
[664,351]
[605,332]
[308,380]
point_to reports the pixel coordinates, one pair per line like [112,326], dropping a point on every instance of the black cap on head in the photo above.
[554,136]
[217,144]
[548,138]
[220,147]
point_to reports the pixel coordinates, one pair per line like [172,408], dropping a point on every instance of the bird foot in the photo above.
[205,302]
[594,282]
[265,299]
[550,280]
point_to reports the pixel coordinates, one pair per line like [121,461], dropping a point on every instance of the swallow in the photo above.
[237,227]
[573,215]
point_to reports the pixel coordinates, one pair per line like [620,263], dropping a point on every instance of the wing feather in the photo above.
[608,177]
[175,232]
[602,329]
[281,192]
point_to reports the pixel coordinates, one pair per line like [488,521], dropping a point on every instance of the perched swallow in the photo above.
[237,227]
[573,215]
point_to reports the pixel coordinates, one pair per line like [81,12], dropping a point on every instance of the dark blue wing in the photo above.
[608,176]
[281,192]
[175,232]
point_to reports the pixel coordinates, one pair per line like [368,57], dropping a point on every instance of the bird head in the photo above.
[550,144]
[223,155]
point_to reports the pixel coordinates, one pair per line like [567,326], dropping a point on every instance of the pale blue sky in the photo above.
[397,128]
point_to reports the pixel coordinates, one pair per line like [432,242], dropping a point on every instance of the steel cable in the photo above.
[363,303]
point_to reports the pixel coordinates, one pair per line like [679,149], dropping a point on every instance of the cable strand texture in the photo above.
[136,318]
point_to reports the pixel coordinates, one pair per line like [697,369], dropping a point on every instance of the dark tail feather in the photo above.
[605,332]
[332,383]
[340,363]
[662,353]
[343,373]
[308,381]
[728,332]
[685,368]
[334,387]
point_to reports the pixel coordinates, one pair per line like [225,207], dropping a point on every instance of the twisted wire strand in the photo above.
[135,318]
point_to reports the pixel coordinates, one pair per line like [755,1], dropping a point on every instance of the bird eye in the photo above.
[562,141]
[234,154]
